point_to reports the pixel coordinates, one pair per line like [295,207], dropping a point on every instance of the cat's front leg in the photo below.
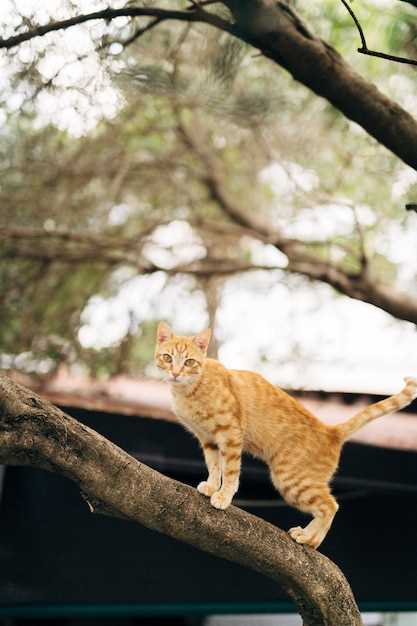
[230,446]
[212,458]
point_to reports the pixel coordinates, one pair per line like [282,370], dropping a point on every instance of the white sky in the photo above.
[341,344]
[86,93]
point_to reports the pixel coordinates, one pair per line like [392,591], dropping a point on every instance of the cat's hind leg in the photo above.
[323,507]
[303,491]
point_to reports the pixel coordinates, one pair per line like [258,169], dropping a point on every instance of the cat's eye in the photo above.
[190,362]
[167,358]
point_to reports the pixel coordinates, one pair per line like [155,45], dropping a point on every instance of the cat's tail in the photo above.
[389,405]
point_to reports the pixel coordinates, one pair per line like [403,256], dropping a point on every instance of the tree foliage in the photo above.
[204,134]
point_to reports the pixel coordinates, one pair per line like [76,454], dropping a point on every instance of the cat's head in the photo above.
[181,358]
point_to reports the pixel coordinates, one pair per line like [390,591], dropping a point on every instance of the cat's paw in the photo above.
[206,489]
[301,535]
[220,500]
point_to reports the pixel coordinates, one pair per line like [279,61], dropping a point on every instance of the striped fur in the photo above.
[389,405]
[231,411]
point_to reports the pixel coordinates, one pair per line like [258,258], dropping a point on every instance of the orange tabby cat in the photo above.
[230,411]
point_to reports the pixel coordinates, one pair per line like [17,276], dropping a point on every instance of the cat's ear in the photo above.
[202,340]
[164,333]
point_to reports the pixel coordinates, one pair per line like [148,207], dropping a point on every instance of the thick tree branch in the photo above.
[33,432]
[76,248]
[358,286]
[276,30]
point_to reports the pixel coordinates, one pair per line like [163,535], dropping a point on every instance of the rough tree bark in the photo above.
[33,432]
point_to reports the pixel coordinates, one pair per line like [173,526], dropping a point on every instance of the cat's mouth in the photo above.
[180,381]
[176,381]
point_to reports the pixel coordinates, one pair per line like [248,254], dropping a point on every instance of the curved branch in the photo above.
[33,432]
[373,53]
[279,33]
[65,246]
[136,35]
[196,14]
[360,286]
[112,251]
[300,259]
[357,23]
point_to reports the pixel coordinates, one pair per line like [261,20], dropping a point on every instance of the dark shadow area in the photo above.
[58,559]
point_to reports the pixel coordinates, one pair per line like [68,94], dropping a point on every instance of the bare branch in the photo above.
[35,433]
[388,57]
[204,3]
[301,259]
[364,262]
[136,35]
[192,15]
[358,26]
[373,53]
[77,248]
[400,304]
[28,233]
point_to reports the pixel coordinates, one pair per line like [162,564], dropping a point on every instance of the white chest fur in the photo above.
[190,413]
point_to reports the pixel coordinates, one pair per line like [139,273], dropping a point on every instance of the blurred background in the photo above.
[178,175]
[144,181]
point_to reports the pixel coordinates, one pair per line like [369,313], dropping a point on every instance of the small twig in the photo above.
[362,246]
[195,14]
[358,26]
[138,33]
[388,57]
[141,31]
[373,53]
[175,51]
[202,3]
